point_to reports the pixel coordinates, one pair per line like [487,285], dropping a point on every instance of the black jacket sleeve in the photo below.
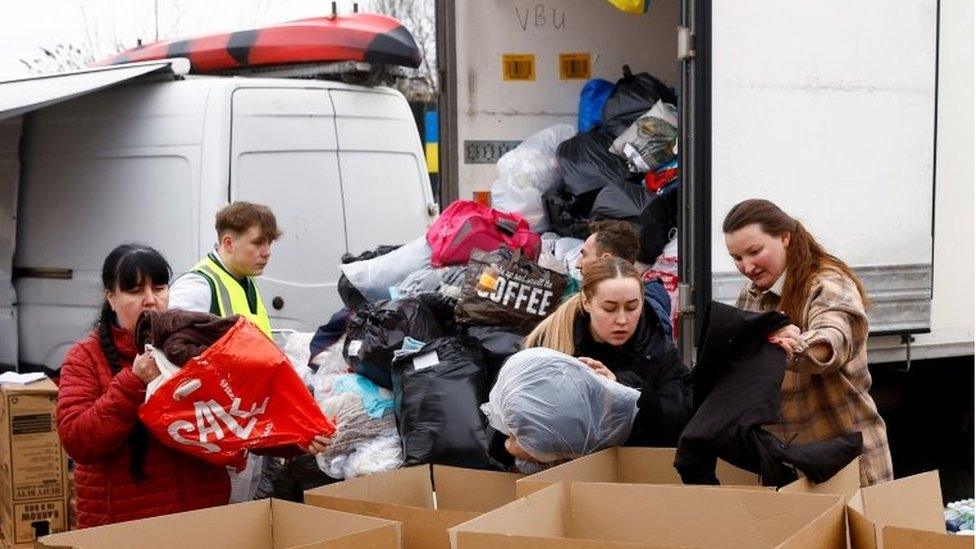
[664,406]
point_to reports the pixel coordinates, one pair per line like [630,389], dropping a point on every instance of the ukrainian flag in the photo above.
[432,139]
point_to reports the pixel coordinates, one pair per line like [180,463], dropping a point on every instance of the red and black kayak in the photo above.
[361,37]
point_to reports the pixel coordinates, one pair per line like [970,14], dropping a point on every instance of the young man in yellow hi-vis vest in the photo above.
[222,283]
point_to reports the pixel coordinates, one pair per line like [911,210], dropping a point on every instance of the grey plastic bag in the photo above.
[557,408]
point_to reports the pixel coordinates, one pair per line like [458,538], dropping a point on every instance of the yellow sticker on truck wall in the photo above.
[574,66]
[518,66]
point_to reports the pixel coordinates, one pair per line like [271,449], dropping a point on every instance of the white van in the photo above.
[150,158]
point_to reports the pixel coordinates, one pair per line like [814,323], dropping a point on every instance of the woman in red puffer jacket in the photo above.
[122,473]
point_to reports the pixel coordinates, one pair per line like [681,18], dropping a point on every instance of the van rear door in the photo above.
[385,186]
[284,155]
[9,182]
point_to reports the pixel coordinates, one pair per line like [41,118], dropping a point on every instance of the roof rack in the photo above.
[352,72]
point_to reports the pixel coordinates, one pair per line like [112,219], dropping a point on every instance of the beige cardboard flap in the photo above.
[475,540]
[264,524]
[845,483]
[698,516]
[242,526]
[644,515]
[406,486]
[628,465]
[385,537]
[472,490]
[905,538]
[540,515]
[408,500]
[862,531]
[296,525]
[912,502]
[44,386]
[646,466]
[600,466]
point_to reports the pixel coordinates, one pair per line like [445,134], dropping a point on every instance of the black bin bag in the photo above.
[378,329]
[438,391]
[499,343]
[632,96]
[587,163]
[569,214]
[653,215]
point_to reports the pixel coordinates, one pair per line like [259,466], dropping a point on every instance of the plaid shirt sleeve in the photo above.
[835,317]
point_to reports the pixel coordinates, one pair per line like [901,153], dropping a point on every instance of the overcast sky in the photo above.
[96,25]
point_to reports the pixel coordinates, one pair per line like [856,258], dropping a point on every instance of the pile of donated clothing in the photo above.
[434,320]
[425,364]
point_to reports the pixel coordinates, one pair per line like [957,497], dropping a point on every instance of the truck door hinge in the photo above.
[686,43]
[686,298]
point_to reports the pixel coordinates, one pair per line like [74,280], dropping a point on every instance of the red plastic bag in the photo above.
[655,181]
[466,225]
[241,394]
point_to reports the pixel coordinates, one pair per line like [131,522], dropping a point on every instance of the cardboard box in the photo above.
[901,513]
[263,524]
[407,495]
[656,466]
[33,466]
[589,515]
[627,465]
[845,483]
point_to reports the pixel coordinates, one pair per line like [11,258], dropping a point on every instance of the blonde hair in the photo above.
[556,331]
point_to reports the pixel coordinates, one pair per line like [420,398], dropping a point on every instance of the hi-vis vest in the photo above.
[231,299]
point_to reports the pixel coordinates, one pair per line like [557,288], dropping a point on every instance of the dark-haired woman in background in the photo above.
[122,473]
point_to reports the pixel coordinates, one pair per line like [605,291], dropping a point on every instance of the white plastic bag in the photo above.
[511,195]
[534,162]
[373,277]
[331,365]
[296,348]
[558,408]
[526,172]
[547,255]
[568,251]
[166,370]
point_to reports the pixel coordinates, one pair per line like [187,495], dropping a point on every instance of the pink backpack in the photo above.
[466,225]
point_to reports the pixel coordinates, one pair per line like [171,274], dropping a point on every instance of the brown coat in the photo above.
[821,400]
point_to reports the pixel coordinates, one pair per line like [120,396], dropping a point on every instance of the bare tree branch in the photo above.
[418,17]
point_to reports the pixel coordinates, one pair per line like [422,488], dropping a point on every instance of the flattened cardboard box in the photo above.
[627,465]
[656,466]
[33,465]
[407,495]
[263,524]
[901,513]
[574,515]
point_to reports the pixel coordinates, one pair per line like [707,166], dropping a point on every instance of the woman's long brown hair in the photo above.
[805,257]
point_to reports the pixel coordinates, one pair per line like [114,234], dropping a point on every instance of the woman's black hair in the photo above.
[126,268]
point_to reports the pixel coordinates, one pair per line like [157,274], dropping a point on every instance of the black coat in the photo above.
[736,385]
[648,361]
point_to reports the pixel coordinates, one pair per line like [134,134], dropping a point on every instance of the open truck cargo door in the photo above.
[18,98]
[828,109]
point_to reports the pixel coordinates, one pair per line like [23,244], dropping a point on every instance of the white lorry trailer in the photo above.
[855,117]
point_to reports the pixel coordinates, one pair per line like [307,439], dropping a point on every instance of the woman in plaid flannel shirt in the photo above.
[825,389]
